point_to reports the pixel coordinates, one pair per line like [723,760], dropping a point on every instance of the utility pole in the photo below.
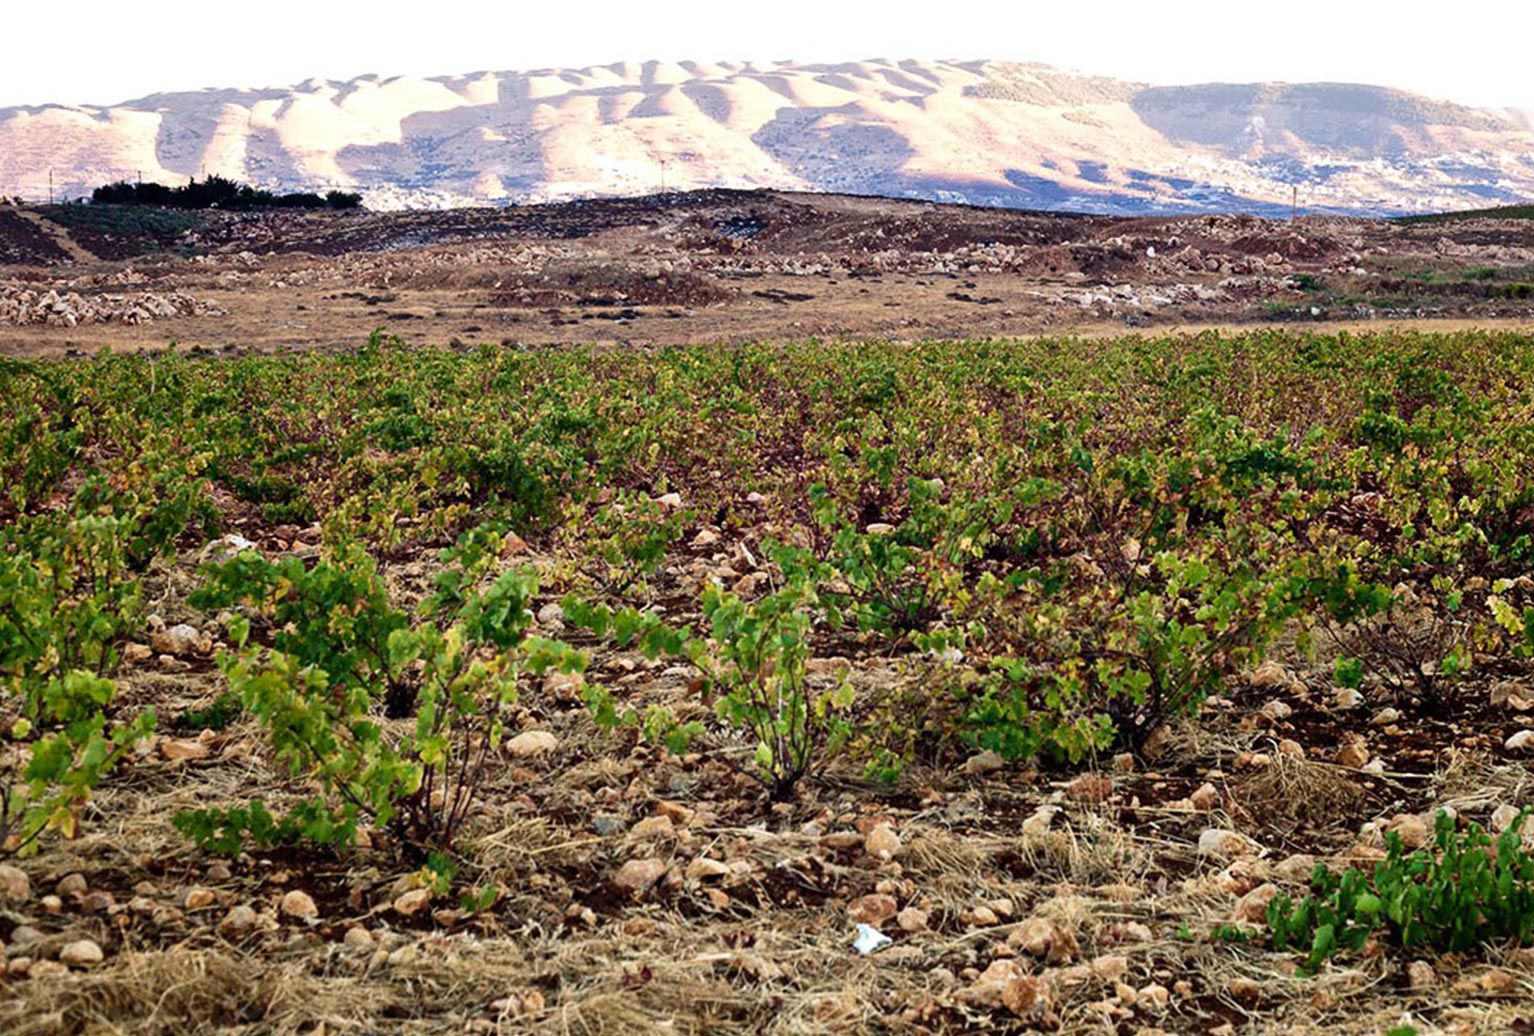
[663,176]
[1294,203]
[50,187]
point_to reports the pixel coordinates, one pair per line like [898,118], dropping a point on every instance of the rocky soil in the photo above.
[738,265]
[645,892]
[23,305]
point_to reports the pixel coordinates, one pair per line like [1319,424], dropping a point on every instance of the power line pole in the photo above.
[50,187]
[1294,203]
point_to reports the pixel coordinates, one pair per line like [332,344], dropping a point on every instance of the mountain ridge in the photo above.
[983,132]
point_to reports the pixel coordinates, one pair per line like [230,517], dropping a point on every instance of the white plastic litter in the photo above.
[870,940]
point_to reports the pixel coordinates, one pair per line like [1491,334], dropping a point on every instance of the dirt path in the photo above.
[262,323]
[59,235]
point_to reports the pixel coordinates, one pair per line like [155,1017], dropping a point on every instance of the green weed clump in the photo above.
[1465,891]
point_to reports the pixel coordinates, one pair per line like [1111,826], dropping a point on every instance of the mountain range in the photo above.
[981,132]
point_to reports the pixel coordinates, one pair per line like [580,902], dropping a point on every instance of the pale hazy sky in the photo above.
[98,53]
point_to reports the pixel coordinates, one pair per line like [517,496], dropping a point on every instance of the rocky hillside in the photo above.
[983,132]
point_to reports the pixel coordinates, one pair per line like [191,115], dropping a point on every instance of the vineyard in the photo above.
[1142,685]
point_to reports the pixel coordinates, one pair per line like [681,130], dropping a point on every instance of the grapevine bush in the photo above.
[340,659]
[1059,547]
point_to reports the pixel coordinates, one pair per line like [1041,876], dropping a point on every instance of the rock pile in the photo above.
[22,306]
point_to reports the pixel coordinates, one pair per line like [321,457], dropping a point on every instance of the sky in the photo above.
[104,58]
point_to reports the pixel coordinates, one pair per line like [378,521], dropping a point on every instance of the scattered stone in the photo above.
[1089,788]
[1041,937]
[1353,752]
[72,885]
[1295,869]
[224,549]
[912,919]
[564,687]
[240,918]
[982,763]
[532,743]
[359,938]
[1522,741]
[98,902]
[979,917]
[659,826]
[1270,675]
[873,909]
[299,905]
[1497,982]
[1413,831]
[15,886]
[82,953]
[670,501]
[1508,694]
[1025,995]
[639,875]
[1347,698]
[1420,975]
[1235,880]
[1291,749]
[1038,823]
[1244,990]
[1229,845]
[181,641]
[882,842]
[1253,906]
[705,868]
[986,990]
[1111,967]
[1207,797]
[608,824]
[182,749]
[410,903]
[1277,711]
[199,899]
[22,306]
[680,815]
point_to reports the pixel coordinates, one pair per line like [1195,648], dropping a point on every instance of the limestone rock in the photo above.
[82,953]
[299,905]
[532,743]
